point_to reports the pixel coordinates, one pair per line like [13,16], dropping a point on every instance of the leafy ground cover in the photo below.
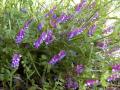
[61,46]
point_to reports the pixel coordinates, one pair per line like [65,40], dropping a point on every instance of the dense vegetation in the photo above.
[61,46]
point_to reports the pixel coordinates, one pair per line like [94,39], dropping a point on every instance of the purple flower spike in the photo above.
[102,45]
[54,16]
[92,30]
[75,32]
[80,6]
[62,54]
[27,23]
[94,17]
[57,57]
[108,31]
[49,38]
[75,85]
[113,77]
[40,26]
[116,68]
[44,36]
[63,18]
[15,60]
[20,36]
[91,82]
[79,69]
[71,84]
[54,60]
[40,40]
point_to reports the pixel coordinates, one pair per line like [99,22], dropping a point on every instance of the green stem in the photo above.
[90,52]
[11,86]
[34,65]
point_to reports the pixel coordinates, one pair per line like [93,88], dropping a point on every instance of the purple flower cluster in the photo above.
[15,60]
[51,12]
[102,45]
[63,18]
[94,17]
[75,32]
[108,31]
[91,82]
[40,40]
[21,33]
[27,23]
[54,16]
[79,69]
[80,6]
[45,36]
[92,30]
[40,26]
[116,68]
[57,57]
[113,77]
[20,36]
[71,84]
[49,38]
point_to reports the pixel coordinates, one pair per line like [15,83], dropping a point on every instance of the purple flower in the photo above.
[63,18]
[113,77]
[75,32]
[54,60]
[20,36]
[94,17]
[114,52]
[71,84]
[75,85]
[79,69]
[49,38]
[54,16]
[40,26]
[57,57]
[27,23]
[16,60]
[91,82]
[116,68]
[102,45]
[21,33]
[62,54]
[40,40]
[108,31]
[50,12]
[92,30]
[53,23]
[80,6]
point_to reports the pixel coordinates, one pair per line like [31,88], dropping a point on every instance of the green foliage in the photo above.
[34,70]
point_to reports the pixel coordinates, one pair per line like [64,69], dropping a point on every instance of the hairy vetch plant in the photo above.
[60,46]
